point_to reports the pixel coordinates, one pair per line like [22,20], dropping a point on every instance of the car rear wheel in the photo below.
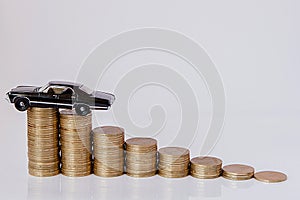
[22,104]
[82,109]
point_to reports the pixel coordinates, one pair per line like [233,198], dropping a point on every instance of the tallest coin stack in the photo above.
[43,141]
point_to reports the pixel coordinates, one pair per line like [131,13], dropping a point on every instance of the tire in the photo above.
[82,109]
[22,104]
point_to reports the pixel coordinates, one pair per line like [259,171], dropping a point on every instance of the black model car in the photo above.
[60,94]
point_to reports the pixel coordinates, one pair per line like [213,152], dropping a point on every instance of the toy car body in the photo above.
[60,94]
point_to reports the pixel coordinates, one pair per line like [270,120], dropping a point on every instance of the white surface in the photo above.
[254,44]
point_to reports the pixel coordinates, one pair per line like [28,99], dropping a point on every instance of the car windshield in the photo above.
[86,89]
[41,89]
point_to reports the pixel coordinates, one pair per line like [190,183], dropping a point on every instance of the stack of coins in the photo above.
[206,167]
[141,157]
[173,162]
[108,151]
[76,145]
[43,141]
[238,172]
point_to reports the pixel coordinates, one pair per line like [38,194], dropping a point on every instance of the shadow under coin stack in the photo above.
[238,172]
[108,151]
[206,167]
[141,157]
[43,145]
[173,162]
[76,146]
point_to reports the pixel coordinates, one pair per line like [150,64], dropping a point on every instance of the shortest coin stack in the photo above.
[108,151]
[141,157]
[173,162]
[238,172]
[270,176]
[206,167]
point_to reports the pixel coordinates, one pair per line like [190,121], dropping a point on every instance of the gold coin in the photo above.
[196,175]
[173,174]
[174,151]
[206,161]
[173,162]
[141,157]
[270,176]
[109,130]
[103,173]
[205,167]
[237,178]
[238,169]
[141,174]
[141,142]
[42,173]
[76,144]
[75,173]
[172,167]
[238,172]
[43,141]
[108,151]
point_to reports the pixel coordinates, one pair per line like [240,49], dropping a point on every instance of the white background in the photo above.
[254,44]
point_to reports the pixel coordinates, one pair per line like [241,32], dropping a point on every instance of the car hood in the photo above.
[104,95]
[21,89]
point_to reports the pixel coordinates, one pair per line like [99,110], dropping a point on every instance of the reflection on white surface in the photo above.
[125,187]
[108,188]
[137,188]
[205,187]
[44,188]
[173,188]
[244,184]
[75,188]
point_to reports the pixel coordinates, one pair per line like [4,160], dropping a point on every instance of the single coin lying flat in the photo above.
[270,176]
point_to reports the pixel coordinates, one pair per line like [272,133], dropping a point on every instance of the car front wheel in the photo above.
[82,109]
[21,104]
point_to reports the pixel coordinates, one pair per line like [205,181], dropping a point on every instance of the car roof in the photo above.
[65,83]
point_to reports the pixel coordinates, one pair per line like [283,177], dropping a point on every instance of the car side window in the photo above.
[68,91]
[48,90]
[56,90]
